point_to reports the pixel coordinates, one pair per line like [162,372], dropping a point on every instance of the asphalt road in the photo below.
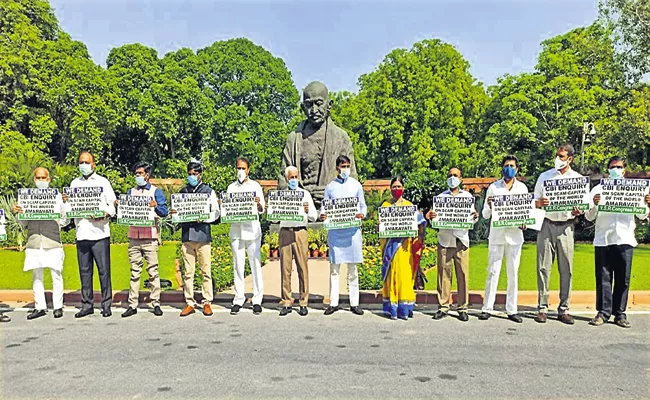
[340,356]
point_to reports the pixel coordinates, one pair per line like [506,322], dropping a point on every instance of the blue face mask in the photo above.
[293,184]
[509,172]
[193,180]
[140,181]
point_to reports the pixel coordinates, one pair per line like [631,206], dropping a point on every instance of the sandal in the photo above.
[4,318]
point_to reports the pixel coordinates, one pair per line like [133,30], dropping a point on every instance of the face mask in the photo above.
[293,184]
[616,173]
[85,169]
[559,164]
[345,173]
[453,182]
[509,172]
[140,181]
[241,175]
[42,184]
[193,180]
[397,193]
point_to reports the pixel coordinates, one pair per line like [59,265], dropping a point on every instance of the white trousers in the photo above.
[495,258]
[39,289]
[353,284]
[239,250]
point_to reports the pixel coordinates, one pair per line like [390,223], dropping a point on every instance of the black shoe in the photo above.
[285,310]
[84,312]
[331,310]
[58,313]
[516,318]
[129,311]
[157,311]
[439,315]
[484,316]
[36,314]
[107,313]
[303,311]
[234,310]
[356,310]
[410,314]
[462,316]
[257,309]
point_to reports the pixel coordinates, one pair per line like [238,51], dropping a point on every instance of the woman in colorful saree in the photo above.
[401,258]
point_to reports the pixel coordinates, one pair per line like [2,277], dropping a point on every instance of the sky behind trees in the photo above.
[333,41]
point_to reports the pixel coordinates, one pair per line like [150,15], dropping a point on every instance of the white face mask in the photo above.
[42,184]
[559,164]
[345,173]
[85,169]
[241,175]
[453,182]
[616,173]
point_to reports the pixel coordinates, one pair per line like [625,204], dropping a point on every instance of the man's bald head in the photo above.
[41,173]
[315,89]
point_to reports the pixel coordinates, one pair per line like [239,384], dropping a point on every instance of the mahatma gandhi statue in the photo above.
[314,146]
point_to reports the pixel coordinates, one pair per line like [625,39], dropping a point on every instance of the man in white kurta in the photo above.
[345,244]
[503,240]
[614,244]
[44,250]
[246,237]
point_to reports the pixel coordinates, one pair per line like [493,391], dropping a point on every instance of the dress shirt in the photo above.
[511,236]
[309,217]
[557,216]
[447,237]
[248,230]
[87,228]
[611,228]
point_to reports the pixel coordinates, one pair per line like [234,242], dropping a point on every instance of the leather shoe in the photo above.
[234,310]
[356,310]
[541,317]
[257,309]
[303,311]
[36,314]
[58,313]
[439,314]
[285,310]
[516,318]
[598,320]
[484,316]
[462,316]
[207,309]
[84,312]
[129,311]
[107,313]
[331,310]
[187,311]
[566,318]
[157,311]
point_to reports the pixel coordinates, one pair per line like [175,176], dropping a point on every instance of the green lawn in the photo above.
[13,276]
[583,269]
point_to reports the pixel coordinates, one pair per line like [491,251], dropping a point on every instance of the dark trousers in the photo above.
[613,263]
[98,251]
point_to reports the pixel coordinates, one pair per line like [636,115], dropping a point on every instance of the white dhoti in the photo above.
[37,260]
[495,258]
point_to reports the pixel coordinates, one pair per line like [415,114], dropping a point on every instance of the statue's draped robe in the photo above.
[337,143]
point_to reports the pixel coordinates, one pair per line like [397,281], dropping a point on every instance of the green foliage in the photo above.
[16,234]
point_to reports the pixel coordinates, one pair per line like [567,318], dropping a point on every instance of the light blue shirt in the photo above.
[345,244]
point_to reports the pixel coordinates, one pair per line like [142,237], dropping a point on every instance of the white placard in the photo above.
[85,202]
[39,204]
[135,211]
[190,207]
[3,232]
[513,210]
[623,196]
[453,212]
[286,205]
[341,213]
[238,207]
[566,193]
[398,221]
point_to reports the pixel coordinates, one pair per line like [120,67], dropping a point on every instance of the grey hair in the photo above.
[289,169]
